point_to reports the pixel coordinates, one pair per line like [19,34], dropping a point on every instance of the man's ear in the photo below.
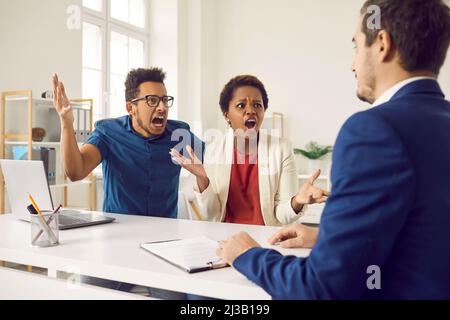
[130,108]
[386,50]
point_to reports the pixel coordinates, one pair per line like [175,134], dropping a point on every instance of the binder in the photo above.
[191,255]
[85,126]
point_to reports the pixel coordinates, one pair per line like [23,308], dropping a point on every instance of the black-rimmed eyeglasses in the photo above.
[154,101]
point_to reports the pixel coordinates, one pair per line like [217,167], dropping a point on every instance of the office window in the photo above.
[115,40]
[92,66]
[129,11]
[96,5]
[126,53]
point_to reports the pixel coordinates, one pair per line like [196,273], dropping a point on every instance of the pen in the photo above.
[164,241]
[36,207]
[217,264]
[45,225]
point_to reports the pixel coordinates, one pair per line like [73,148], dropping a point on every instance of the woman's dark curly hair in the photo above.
[241,81]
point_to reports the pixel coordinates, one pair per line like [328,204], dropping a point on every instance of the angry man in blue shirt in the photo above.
[139,176]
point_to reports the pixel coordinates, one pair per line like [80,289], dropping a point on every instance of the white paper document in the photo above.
[192,255]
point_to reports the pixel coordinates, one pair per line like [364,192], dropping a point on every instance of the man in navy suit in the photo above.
[385,232]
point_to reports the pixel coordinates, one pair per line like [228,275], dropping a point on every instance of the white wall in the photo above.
[35,43]
[444,78]
[302,51]
[163,51]
[197,58]
[183,37]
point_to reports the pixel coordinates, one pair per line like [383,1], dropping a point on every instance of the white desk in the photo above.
[20,285]
[112,252]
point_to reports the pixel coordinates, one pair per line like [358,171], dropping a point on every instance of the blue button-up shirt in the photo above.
[139,176]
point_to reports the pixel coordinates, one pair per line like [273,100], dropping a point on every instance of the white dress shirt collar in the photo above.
[385,97]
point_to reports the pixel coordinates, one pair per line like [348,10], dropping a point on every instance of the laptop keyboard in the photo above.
[67,220]
[72,217]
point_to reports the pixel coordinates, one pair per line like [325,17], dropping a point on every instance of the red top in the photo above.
[243,205]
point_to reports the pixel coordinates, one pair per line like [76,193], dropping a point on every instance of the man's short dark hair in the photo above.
[138,76]
[420,31]
[241,81]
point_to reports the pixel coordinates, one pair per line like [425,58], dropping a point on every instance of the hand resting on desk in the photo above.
[293,236]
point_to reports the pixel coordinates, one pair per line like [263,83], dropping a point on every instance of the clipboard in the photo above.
[191,255]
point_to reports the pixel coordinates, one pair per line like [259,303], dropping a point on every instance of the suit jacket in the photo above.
[278,181]
[389,209]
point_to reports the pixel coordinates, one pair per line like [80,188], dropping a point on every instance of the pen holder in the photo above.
[44,229]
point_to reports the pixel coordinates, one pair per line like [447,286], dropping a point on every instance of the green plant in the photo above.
[314,151]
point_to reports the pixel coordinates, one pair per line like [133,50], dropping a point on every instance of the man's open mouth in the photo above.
[250,123]
[158,121]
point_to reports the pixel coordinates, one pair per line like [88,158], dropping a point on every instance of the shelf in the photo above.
[48,103]
[19,143]
[70,184]
[46,117]
[25,143]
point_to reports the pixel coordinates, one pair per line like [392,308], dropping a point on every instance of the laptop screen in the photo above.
[23,178]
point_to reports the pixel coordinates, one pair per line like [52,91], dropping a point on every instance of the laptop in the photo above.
[28,177]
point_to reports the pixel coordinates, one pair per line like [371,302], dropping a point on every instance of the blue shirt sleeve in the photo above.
[372,194]
[98,139]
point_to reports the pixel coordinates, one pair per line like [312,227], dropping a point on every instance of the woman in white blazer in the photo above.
[248,176]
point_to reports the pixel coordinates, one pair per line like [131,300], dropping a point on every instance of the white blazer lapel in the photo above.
[224,174]
[264,176]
